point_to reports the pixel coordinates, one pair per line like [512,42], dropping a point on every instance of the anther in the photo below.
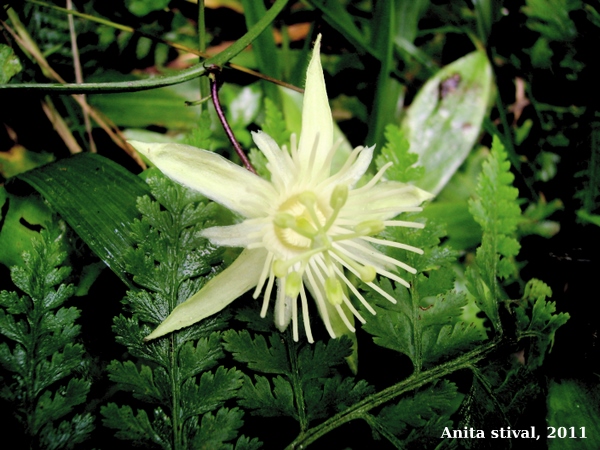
[367,273]
[339,196]
[333,291]
[293,284]
[280,268]
[369,227]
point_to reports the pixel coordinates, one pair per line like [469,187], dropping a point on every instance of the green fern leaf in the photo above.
[172,376]
[42,360]
[396,151]
[495,208]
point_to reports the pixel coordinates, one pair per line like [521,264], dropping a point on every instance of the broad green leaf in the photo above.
[573,406]
[163,107]
[9,64]
[18,160]
[445,118]
[21,219]
[97,198]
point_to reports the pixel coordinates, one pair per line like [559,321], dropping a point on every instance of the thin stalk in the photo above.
[79,76]
[214,92]
[296,383]
[30,48]
[193,72]
[204,86]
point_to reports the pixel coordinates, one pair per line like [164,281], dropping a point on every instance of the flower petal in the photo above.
[241,276]
[280,163]
[385,200]
[212,175]
[317,122]
[352,171]
[238,235]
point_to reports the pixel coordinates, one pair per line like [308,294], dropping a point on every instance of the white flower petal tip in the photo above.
[219,292]
[305,230]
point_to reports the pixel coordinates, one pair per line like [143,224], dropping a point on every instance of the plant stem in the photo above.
[360,409]
[204,87]
[193,72]
[296,382]
[214,92]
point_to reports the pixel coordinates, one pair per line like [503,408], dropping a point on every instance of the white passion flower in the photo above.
[302,230]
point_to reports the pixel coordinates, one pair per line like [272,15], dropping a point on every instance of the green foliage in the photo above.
[291,379]
[9,63]
[172,376]
[42,360]
[425,324]
[574,402]
[551,18]
[182,391]
[143,7]
[418,420]
[496,210]
[590,194]
[536,319]
[274,124]
[201,135]
[396,151]
[19,218]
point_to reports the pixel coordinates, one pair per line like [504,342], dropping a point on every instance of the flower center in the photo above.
[304,225]
[299,220]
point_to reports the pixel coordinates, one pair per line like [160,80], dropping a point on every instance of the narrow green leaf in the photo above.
[337,16]
[97,198]
[388,90]
[165,80]
[265,51]
[408,13]
[444,120]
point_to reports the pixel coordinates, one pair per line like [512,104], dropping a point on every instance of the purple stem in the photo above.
[214,92]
